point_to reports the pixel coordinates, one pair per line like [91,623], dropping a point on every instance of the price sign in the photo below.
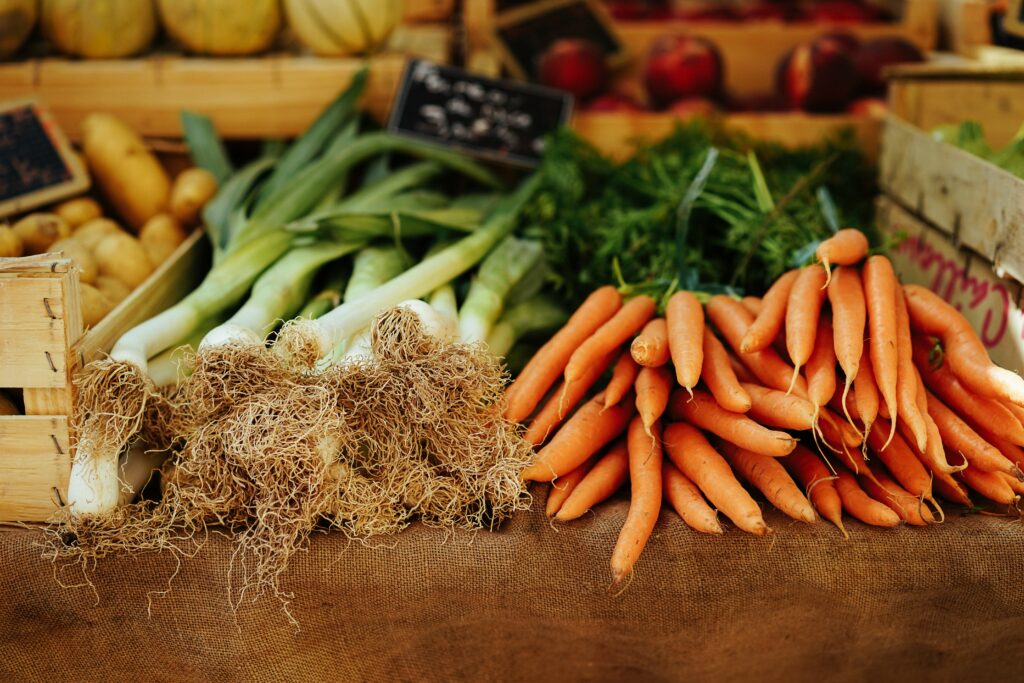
[501,120]
[37,165]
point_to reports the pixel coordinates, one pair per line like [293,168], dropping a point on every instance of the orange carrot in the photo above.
[774,408]
[1013,482]
[1010,451]
[865,393]
[839,436]
[845,248]
[995,416]
[952,490]
[812,473]
[880,295]
[766,326]
[803,311]
[585,433]
[959,437]
[547,364]
[886,491]
[650,347]
[752,304]
[623,376]
[617,331]
[644,498]
[564,486]
[849,314]
[743,374]
[906,385]
[720,376]
[849,408]
[821,366]
[989,484]
[685,318]
[964,351]
[606,476]
[653,386]
[900,460]
[732,320]
[1017,411]
[861,505]
[696,459]
[562,402]
[769,477]
[704,412]
[687,500]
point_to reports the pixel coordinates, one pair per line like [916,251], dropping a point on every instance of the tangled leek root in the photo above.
[112,402]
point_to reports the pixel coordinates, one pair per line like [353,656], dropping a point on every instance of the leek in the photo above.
[330,296]
[443,298]
[538,314]
[501,270]
[371,268]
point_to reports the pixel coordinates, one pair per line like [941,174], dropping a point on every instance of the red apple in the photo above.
[693,107]
[614,101]
[817,76]
[850,42]
[574,65]
[766,11]
[840,12]
[683,66]
[875,107]
[628,10]
[879,53]
[705,13]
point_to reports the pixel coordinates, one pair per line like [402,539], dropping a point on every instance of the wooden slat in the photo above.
[34,467]
[33,339]
[49,401]
[427,10]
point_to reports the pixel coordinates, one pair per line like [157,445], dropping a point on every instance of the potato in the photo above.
[189,194]
[95,230]
[7,406]
[95,306]
[10,243]
[112,288]
[78,211]
[122,256]
[39,230]
[129,175]
[160,236]
[81,256]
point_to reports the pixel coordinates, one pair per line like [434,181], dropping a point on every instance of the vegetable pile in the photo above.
[970,137]
[747,390]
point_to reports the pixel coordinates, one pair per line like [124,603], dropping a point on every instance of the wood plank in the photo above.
[928,103]
[33,340]
[49,401]
[35,463]
[427,10]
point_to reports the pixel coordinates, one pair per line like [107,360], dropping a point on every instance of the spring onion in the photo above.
[506,265]
[538,314]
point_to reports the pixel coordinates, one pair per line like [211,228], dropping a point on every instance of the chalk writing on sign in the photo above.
[28,160]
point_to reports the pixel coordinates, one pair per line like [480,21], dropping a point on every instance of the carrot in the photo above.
[845,248]
[1015,484]
[886,491]
[685,318]
[768,321]
[623,376]
[547,364]
[952,490]
[838,436]
[958,436]
[696,459]
[653,386]
[719,375]
[704,412]
[995,416]
[989,484]
[849,314]
[900,460]
[623,325]
[687,500]
[861,505]
[644,501]
[753,304]
[865,394]
[650,347]
[1017,411]
[732,320]
[849,409]
[964,351]
[821,367]
[906,385]
[880,295]
[740,370]
[809,469]
[606,476]
[769,477]
[561,489]
[1010,451]
[774,408]
[803,310]
[561,403]
[584,434]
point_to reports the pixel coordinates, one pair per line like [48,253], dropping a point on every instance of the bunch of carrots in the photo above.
[838,362]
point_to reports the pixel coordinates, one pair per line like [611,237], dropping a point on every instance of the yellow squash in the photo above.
[222,27]
[342,27]
[99,29]
[17,17]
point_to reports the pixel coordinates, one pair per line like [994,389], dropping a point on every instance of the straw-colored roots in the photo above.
[112,402]
[298,343]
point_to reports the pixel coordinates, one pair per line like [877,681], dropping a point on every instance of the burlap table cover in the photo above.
[528,603]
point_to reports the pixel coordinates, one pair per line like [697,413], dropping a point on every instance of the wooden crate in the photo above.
[415,11]
[42,344]
[964,25]
[275,95]
[978,205]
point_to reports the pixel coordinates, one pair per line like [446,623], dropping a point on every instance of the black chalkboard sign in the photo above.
[504,121]
[523,34]
[37,165]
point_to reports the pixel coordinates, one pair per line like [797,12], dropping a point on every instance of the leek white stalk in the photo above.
[443,298]
[307,341]
[135,469]
[533,315]
[371,268]
[501,270]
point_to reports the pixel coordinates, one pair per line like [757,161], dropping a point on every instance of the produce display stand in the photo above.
[529,603]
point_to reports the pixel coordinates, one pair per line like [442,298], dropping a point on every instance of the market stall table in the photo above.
[529,603]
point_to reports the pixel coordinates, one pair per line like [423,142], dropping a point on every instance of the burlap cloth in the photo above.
[528,603]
